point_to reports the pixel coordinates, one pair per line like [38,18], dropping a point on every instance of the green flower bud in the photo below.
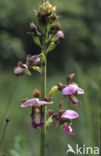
[45,12]
[53,90]
[51,46]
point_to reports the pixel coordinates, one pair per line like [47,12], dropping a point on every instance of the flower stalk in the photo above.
[43,94]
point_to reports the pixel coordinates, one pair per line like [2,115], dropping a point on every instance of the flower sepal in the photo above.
[36,68]
[51,46]
[37,40]
[49,122]
[53,90]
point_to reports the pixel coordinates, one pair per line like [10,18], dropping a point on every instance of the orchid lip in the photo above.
[37,126]
[68,130]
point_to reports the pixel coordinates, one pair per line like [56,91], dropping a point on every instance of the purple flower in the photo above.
[58,37]
[37,113]
[65,118]
[37,118]
[72,89]
[37,125]
[21,69]
[69,115]
[32,60]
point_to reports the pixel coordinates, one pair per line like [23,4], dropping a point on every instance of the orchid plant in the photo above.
[47,36]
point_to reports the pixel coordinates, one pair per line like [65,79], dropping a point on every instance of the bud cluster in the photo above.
[46,13]
[48,24]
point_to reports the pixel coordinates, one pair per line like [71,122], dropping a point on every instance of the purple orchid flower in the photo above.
[32,60]
[24,68]
[72,90]
[65,118]
[69,115]
[37,114]
[21,69]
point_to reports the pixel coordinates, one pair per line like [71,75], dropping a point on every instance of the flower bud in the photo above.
[51,46]
[70,76]
[48,5]
[58,37]
[32,60]
[21,69]
[45,12]
[50,112]
[48,99]
[54,17]
[36,93]
[33,29]
[56,27]
[53,90]
[60,86]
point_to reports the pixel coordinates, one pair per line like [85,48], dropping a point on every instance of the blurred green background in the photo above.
[80,52]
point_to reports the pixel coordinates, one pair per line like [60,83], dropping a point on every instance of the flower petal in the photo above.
[70,114]
[70,89]
[18,70]
[30,102]
[80,91]
[74,100]
[45,102]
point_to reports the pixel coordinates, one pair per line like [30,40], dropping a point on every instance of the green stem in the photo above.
[43,94]
[4,131]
